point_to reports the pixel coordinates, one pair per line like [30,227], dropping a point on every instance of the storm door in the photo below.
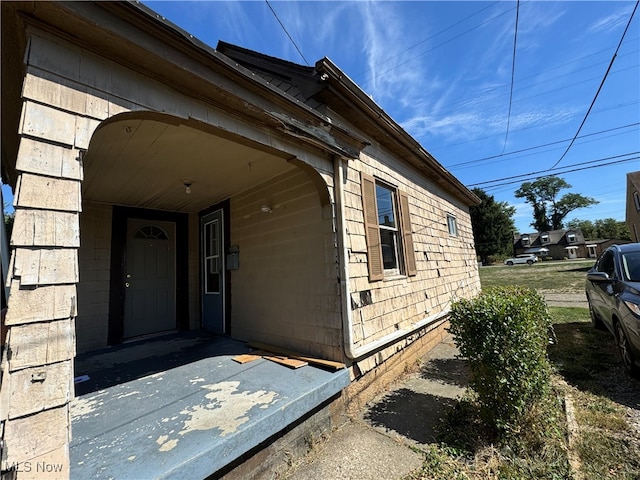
[150,278]
[213,271]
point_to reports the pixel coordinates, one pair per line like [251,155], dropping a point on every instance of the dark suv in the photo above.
[613,292]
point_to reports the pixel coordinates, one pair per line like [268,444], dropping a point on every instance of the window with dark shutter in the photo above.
[388,229]
[407,237]
[372,231]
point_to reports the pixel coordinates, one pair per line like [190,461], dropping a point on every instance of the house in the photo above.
[596,247]
[633,205]
[557,244]
[175,201]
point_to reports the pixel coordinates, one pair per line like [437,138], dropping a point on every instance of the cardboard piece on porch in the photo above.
[250,357]
[289,362]
[313,361]
[246,358]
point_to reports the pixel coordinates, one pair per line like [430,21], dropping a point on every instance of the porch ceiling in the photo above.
[144,163]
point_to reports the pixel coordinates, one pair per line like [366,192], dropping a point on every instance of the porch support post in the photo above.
[37,361]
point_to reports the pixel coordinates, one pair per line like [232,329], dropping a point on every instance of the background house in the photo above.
[162,186]
[633,205]
[559,244]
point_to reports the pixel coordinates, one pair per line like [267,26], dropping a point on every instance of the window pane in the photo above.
[607,266]
[212,276]
[151,232]
[453,227]
[631,266]
[212,258]
[384,198]
[389,256]
[207,240]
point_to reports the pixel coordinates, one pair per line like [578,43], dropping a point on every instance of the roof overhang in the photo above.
[132,35]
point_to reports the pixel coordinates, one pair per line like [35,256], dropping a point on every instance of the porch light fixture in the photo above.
[266,209]
[187,186]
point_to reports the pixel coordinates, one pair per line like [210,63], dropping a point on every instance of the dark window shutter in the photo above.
[407,237]
[372,230]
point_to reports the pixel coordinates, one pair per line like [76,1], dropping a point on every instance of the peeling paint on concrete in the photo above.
[165,443]
[227,410]
[80,407]
[169,445]
[124,395]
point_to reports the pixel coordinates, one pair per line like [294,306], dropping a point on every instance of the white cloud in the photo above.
[473,123]
[613,22]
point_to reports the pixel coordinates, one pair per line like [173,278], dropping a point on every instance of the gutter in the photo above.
[4,254]
[350,350]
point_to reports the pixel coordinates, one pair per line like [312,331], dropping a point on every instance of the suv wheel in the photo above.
[510,263]
[595,321]
[625,350]
[529,262]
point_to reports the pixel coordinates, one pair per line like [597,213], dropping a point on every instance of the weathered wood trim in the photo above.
[48,123]
[45,228]
[49,159]
[41,438]
[45,266]
[36,304]
[47,193]
[40,388]
[41,344]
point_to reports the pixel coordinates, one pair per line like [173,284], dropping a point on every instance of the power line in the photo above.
[513,70]
[539,146]
[599,88]
[511,159]
[285,31]
[433,148]
[519,178]
[564,173]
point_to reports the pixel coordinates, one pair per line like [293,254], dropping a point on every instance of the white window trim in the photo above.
[397,247]
[452,225]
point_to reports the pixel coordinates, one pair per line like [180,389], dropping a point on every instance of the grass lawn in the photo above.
[587,371]
[548,276]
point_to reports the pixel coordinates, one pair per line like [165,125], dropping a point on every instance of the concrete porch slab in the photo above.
[192,419]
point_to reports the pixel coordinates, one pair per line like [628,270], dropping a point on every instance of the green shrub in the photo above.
[504,333]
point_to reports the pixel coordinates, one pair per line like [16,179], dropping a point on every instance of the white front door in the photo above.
[150,277]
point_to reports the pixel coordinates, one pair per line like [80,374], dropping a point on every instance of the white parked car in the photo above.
[528,258]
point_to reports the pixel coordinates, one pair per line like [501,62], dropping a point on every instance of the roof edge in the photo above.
[343,82]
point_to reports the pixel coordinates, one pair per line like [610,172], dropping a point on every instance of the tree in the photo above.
[600,229]
[492,225]
[587,227]
[549,212]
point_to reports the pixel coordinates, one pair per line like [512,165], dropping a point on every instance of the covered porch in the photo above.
[185,228]
[180,406]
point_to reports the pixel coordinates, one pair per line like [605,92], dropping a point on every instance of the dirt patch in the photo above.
[555,299]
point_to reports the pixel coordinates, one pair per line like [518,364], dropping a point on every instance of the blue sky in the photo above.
[443,71]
